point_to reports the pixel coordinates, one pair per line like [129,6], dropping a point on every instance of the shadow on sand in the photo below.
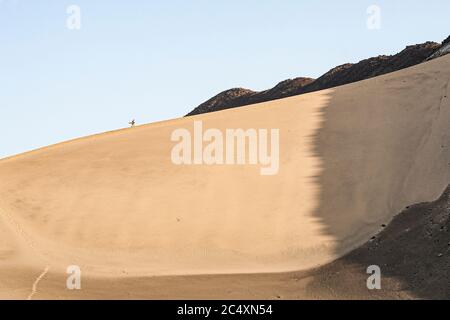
[381,154]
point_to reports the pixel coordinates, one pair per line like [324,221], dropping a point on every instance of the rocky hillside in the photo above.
[343,74]
[443,50]
[373,67]
[238,97]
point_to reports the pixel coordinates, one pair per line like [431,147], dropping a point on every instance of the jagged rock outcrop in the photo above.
[442,51]
[343,74]
[373,67]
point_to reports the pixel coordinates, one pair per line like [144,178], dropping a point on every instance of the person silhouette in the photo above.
[132,123]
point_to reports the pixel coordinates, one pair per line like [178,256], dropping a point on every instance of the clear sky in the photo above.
[154,60]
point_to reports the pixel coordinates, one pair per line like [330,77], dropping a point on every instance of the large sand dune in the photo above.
[115,204]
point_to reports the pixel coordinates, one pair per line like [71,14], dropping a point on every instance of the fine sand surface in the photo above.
[138,226]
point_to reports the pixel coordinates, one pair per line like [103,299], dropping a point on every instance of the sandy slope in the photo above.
[114,204]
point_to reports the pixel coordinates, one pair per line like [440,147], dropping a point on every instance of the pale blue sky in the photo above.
[155,60]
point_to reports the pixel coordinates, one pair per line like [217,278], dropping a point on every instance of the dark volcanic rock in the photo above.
[239,97]
[443,50]
[343,74]
[227,99]
[408,57]
[373,67]
[412,252]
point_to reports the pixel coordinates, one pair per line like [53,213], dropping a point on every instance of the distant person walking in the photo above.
[132,123]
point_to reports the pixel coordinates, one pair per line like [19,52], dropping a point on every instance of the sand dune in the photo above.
[115,205]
